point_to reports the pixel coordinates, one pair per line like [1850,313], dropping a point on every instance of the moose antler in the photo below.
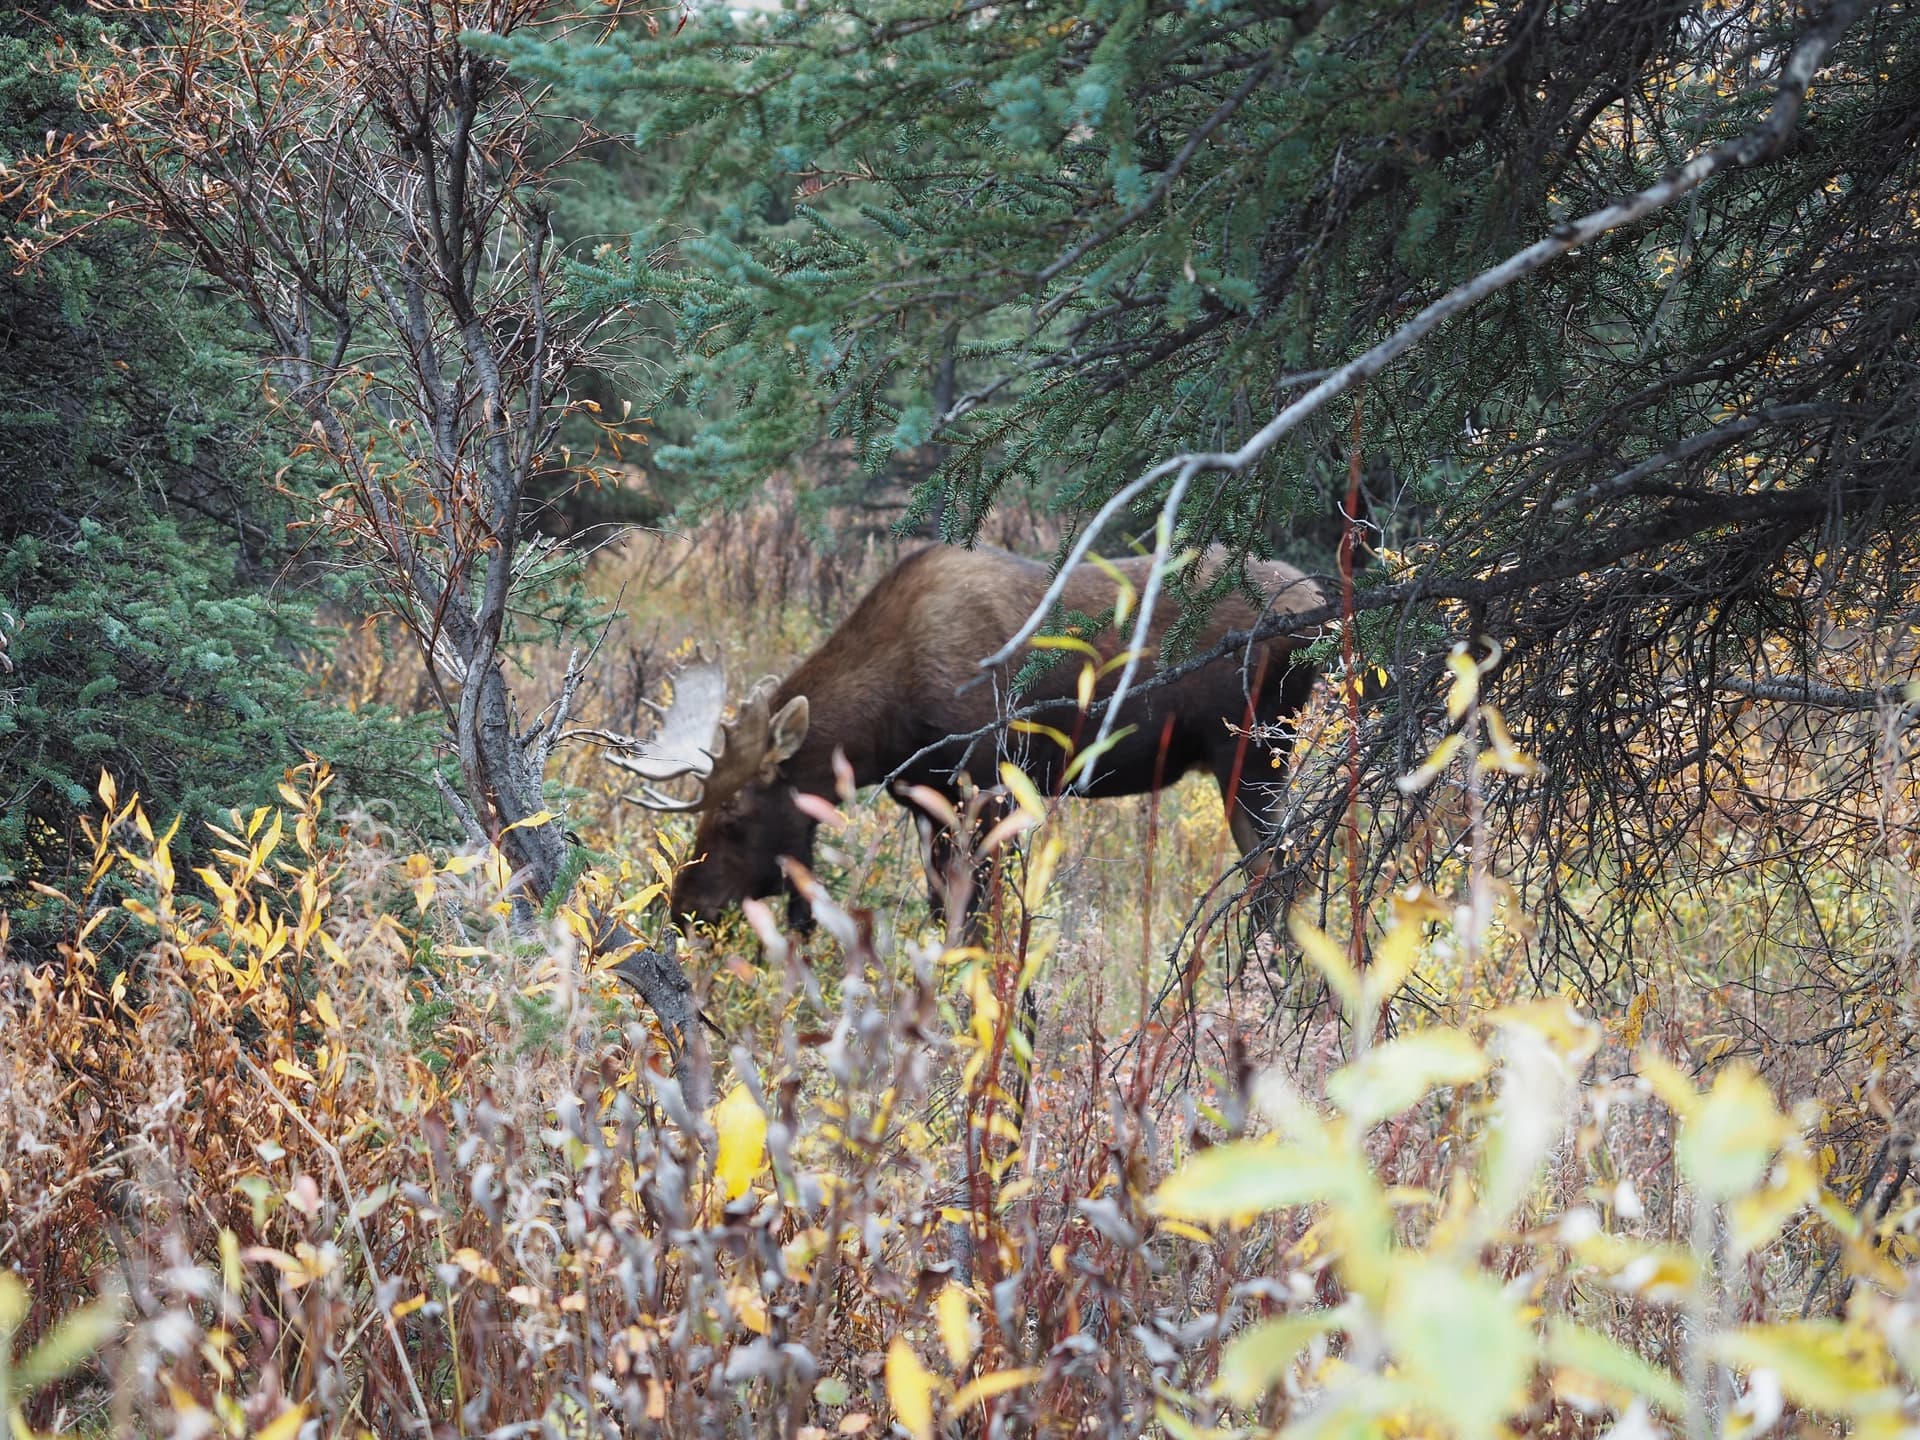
[692,740]
[743,742]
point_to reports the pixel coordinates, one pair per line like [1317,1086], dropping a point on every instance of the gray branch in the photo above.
[1750,149]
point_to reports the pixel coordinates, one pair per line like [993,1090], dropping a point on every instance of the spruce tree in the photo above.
[1670,473]
[154,622]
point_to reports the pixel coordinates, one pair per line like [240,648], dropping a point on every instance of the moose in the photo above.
[898,690]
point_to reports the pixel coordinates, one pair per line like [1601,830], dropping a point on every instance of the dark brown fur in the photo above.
[894,678]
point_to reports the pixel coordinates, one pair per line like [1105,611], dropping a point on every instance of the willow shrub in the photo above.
[342,1156]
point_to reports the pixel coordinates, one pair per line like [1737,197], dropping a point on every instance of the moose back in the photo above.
[899,684]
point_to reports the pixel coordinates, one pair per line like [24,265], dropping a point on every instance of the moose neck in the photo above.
[854,699]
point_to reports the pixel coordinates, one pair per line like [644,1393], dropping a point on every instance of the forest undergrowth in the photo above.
[312,1142]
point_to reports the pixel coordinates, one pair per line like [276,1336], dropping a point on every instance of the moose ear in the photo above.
[788,729]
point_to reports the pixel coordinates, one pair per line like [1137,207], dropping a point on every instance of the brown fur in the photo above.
[894,679]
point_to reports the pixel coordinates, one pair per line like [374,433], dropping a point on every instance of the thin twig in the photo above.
[366,1250]
[1749,149]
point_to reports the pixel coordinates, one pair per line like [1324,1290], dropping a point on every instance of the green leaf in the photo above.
[1390,1077]
[1181,1428]
[1244,1178]
[13,1302]
[1726,1144]
[1258,1358]
[1093,752]
[831,1392]
[73,1341]
[1463,1348]
[1591,1353]
[373,1200]
[1526,1121]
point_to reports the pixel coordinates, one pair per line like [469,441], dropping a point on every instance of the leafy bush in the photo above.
[245,1196]
[128,653]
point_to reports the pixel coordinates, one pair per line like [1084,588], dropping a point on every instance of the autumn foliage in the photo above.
[331,1148]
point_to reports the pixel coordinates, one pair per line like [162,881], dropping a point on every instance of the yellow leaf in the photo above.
[1034,727]
[742,1131]
[1572,1035]
[1024,791]
[231,1275]
[1185,1231]
[1328,958]
[404,1308]
[420,876]
[1125,593]
[910,1390]
[323,1007]
[988,1386]
[1431,767]
[751,1309]
[1755,1218]
[1416,905]
[1669,1083]
[1657,1273]
[956,1324]
[532,821]
[476,1265]
[283,1426]
[1239,1179]
[1065,642]
[1466,682]
[1503,754]
[1819,1363]
[1392,962]
[1634,1027]
[292,1071]
[1040,868]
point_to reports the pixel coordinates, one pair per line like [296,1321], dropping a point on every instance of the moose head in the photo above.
[747,820]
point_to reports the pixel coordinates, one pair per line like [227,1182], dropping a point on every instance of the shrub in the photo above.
[243,1195]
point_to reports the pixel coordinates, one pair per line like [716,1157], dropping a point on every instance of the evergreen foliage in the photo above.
[151,625]
[1674,463]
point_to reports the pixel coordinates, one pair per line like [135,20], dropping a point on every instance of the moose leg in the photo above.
[1240,768]
[959,875]
[947,888]
[1244,768]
